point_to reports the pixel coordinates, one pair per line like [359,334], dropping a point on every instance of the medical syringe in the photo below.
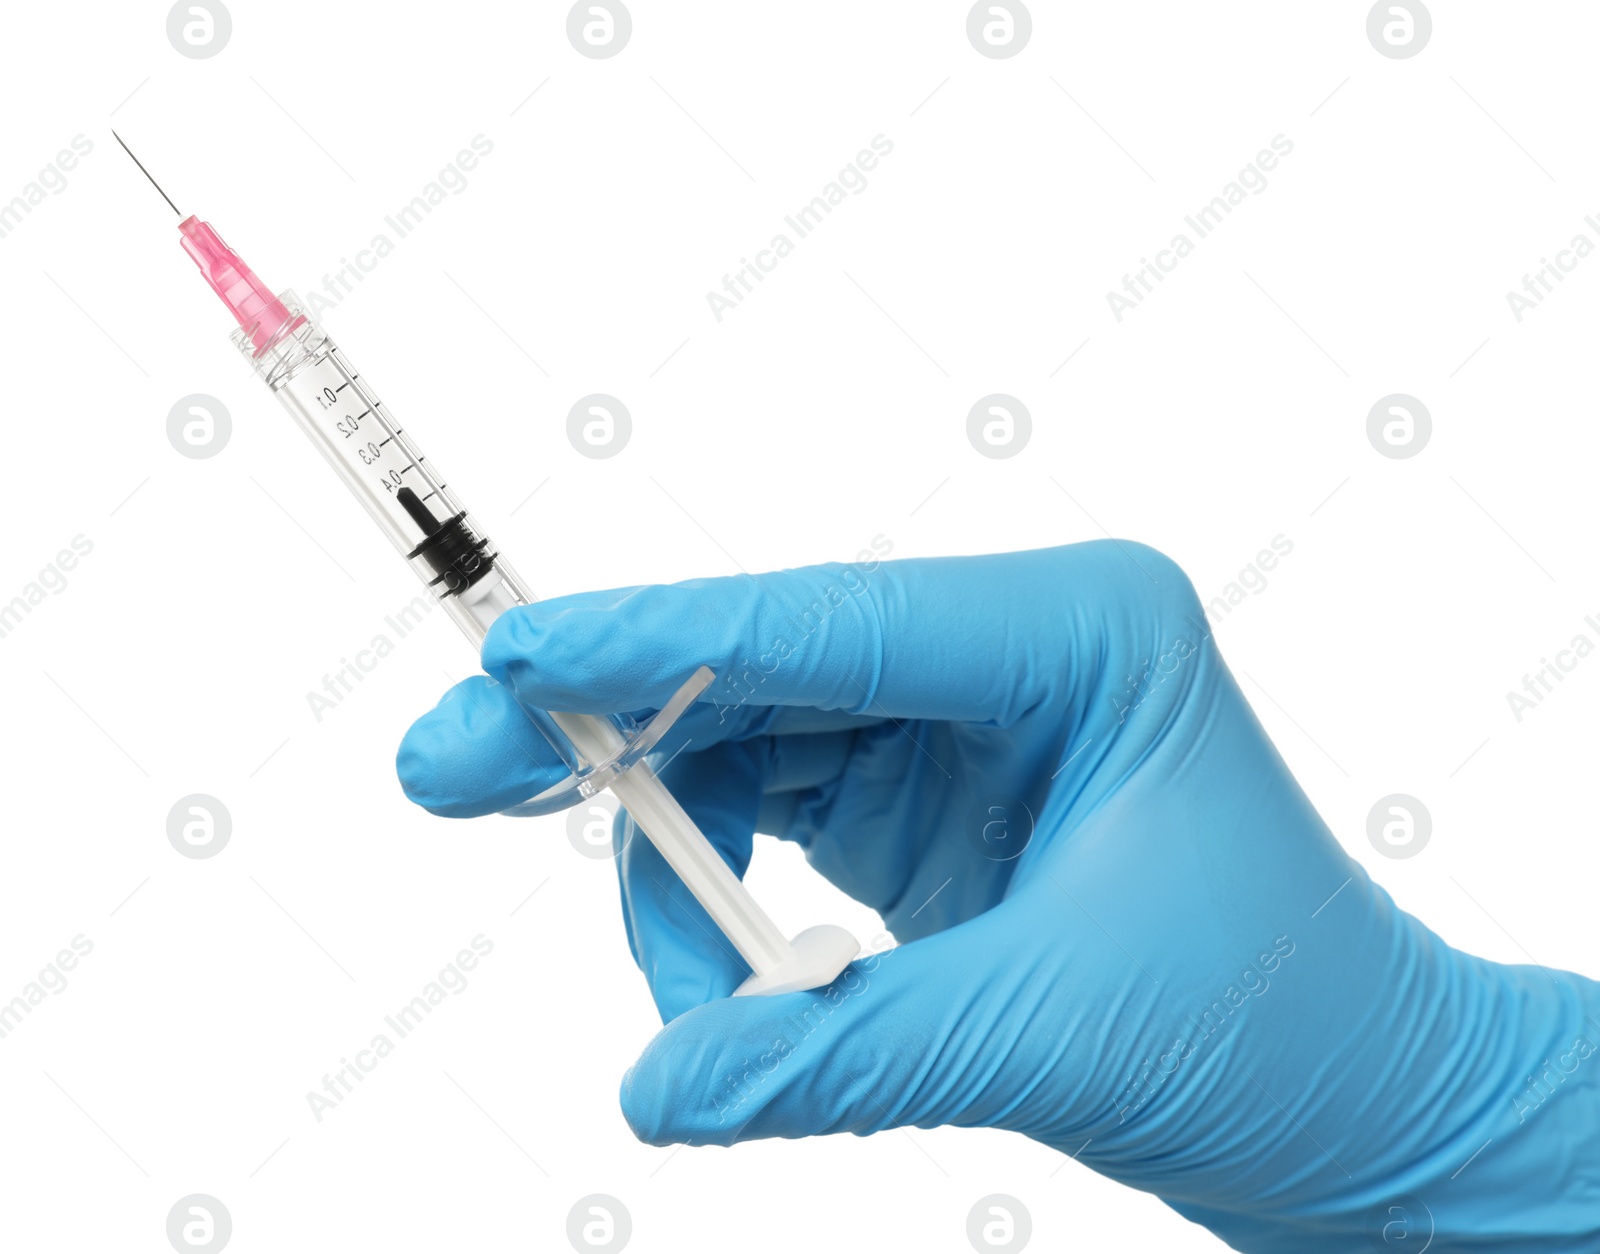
[382,465]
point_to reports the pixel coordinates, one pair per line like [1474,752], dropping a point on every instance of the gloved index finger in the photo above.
[976,639]
[616,651]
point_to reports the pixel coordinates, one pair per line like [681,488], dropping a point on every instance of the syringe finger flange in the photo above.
[590,777]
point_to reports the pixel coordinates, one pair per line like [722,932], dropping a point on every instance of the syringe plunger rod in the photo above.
[453,556]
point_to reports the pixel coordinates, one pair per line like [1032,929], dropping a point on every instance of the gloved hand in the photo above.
[1123,930]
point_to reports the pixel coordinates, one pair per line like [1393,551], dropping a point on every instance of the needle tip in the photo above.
[146,173]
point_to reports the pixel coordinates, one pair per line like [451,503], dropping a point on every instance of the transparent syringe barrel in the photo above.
[413,505]
[389,475]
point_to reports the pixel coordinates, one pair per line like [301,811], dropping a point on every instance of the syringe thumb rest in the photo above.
[813,958]
[818,955]
[258,312]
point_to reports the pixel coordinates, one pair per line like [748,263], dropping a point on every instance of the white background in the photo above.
[828,408]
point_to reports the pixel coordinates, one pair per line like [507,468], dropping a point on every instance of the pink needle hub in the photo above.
[252,303]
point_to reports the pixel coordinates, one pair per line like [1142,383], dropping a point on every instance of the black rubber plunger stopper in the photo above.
[457,557]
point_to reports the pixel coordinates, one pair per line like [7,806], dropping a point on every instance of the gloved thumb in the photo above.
[902,1037]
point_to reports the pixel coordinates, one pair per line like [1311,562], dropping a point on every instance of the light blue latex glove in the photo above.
[1182,980]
